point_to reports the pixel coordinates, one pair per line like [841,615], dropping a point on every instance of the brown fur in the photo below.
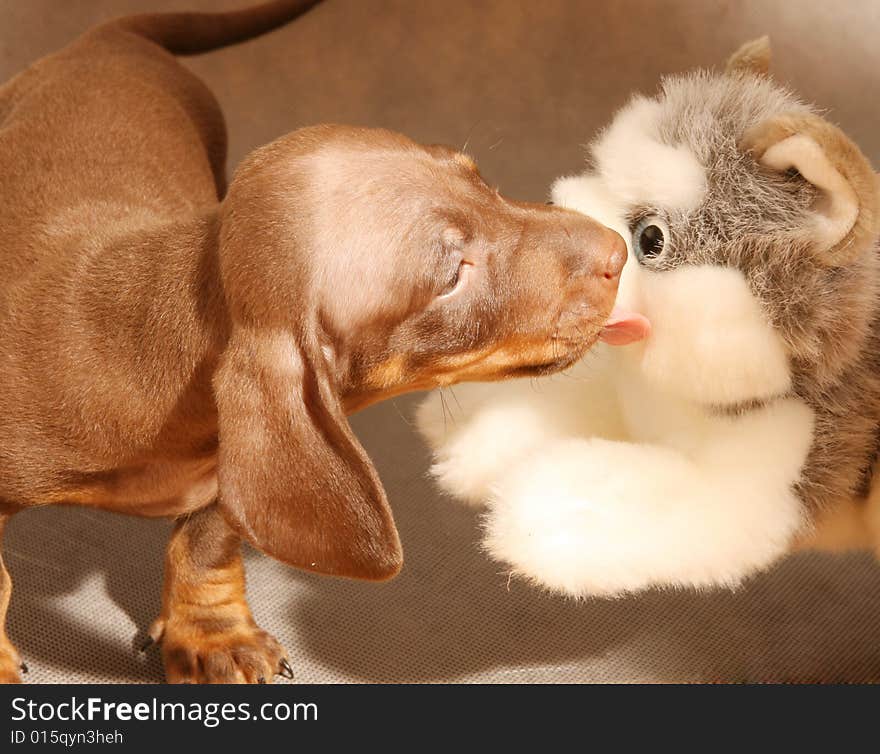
[752,57]
[852,523]
[163,347]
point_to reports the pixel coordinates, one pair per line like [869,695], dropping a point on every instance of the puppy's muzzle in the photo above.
[591,288]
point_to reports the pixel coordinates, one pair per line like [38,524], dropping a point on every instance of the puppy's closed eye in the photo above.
[457,280]
[454,270]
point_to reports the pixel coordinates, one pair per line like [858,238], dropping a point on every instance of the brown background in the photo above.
[524,84]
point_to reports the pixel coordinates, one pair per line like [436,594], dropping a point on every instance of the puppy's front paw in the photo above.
[10,664]
[218,649]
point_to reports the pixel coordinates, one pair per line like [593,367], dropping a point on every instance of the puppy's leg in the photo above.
[10,663]
[206,629]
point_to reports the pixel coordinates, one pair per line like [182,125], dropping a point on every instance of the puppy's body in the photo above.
[163,352]
[752,410]
[109,250]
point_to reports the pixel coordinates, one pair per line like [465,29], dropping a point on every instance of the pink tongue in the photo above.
[624,327]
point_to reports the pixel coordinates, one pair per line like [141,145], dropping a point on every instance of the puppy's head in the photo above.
[752,223]
[357,265]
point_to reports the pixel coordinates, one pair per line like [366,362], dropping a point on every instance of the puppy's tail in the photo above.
[192,33]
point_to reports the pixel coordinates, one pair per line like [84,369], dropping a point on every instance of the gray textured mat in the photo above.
[87,583]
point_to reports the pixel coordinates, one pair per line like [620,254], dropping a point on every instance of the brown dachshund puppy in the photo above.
[168,351]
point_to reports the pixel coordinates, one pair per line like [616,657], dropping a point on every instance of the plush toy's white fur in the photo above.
[635,468]
[637,167]
[593,516]
[710,341]
[599,483]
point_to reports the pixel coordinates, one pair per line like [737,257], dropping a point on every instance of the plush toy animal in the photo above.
[704,452]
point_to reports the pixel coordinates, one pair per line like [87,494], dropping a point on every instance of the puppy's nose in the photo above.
[595,250]
[612,251]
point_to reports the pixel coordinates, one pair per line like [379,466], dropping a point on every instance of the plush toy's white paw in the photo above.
[594,517]
[475,443]
[480,431]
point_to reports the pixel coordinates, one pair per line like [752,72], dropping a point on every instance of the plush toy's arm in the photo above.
[478,432]
[593,517]
[477,436]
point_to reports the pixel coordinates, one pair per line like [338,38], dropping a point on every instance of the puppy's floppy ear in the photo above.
[753,57]
[293,479]
[845,216]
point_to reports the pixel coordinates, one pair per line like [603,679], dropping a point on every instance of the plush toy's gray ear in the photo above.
[846,213]
[752,57]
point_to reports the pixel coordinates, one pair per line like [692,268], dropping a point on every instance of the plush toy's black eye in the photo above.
[649,238]
[651,241]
